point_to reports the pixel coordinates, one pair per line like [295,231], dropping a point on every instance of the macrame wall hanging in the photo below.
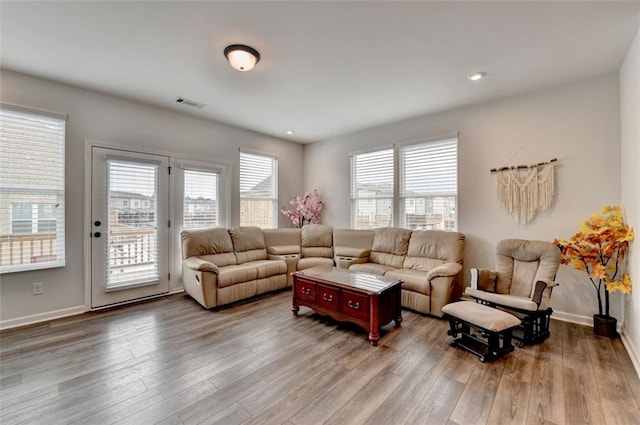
[525,190]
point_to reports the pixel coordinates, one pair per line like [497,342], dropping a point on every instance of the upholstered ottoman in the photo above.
[479,329]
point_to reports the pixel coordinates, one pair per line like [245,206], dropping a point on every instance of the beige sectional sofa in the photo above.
[221,266]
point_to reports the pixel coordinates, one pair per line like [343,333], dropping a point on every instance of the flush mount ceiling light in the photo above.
[241,57]
[477,76]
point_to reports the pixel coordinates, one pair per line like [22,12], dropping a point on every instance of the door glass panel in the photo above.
[132,240]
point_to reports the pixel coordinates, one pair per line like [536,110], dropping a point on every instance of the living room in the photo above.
[587,121]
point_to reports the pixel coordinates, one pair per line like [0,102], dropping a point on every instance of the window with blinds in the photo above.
[258,190]
[372,191]
[428,175]
[200,199]
[132,241]
[32,189]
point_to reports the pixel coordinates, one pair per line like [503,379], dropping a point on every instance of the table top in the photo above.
[367,282]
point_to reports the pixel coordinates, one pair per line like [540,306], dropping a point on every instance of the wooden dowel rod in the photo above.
[522,166]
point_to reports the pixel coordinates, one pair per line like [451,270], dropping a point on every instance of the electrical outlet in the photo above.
[38,288]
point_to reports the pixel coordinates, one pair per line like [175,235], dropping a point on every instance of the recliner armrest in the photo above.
[483,279]
[444,270]
[542,286]
[201,265]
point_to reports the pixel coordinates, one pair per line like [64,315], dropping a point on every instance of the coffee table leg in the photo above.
[295,309]
[374,338]
[398,319]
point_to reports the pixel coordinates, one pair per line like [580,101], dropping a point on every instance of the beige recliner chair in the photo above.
[316,246]
[522,284]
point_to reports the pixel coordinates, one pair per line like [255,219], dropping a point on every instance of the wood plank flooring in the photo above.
[169,361]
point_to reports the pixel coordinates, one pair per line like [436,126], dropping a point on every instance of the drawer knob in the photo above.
[327,298]
[305,291]
[354,305]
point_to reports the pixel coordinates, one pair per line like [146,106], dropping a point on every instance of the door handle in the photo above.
[96,234]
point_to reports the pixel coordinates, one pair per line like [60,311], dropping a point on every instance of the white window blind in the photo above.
[132,242]
[200,200]
[429,185]
[372,189]
[32,189]
[258,190]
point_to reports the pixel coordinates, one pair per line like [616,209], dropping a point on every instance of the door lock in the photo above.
[96,234]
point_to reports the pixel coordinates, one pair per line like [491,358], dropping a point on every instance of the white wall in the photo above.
[578,123]
[630,134]
[117,121]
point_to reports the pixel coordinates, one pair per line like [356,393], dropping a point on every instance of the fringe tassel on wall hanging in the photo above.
[523,195]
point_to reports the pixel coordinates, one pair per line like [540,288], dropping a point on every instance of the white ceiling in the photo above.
[327,68]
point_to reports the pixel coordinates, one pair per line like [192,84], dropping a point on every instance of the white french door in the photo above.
[129,226]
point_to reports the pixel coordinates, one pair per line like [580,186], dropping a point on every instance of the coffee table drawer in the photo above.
[328,298]
[355,305]
[305,290]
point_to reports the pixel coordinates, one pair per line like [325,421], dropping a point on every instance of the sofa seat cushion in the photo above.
[268,268]
[513,301]
[413,280]
[234,274]
[379,269]
[306,263]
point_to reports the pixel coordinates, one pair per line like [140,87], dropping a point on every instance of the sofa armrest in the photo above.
[195,263]
[345,251]
[444,270]
[484,279]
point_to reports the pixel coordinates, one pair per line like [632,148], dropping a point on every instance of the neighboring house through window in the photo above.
[32,189]
[258,190]
[201,204]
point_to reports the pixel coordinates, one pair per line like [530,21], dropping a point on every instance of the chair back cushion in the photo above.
[316,241]
[521,263]
[213,245]
[248,244]
[390,246]
[430,248]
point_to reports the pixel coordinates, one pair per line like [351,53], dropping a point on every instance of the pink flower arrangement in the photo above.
[306,209]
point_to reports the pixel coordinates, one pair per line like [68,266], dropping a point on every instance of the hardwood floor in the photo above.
[169,361]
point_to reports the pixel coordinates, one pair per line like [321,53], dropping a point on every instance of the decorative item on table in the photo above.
[306,209]
[599,248]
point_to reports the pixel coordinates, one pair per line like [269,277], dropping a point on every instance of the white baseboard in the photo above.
[578,319]
[573,318]
[41,317]
[633,354]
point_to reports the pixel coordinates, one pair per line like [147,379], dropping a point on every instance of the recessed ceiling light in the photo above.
[477,76]
[290,132]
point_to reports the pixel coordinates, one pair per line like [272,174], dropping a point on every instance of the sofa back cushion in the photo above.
[390,246]
[430,248]
[213,245]
[281,237]
[361,240]
[248,244]
[316,241]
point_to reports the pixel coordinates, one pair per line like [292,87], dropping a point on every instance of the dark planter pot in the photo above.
[605,326]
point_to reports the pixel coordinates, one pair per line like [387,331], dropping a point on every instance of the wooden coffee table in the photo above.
[368,300]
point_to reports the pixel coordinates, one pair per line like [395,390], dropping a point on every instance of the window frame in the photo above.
[53,192]
[399,198]
[355,199]
[273,199]
[222,168]
[434,197]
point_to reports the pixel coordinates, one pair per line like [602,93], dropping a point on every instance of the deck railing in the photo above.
[27,248]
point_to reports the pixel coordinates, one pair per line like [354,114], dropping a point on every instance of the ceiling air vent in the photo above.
[191,103]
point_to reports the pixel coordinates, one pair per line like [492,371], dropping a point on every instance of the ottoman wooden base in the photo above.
[481,330]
